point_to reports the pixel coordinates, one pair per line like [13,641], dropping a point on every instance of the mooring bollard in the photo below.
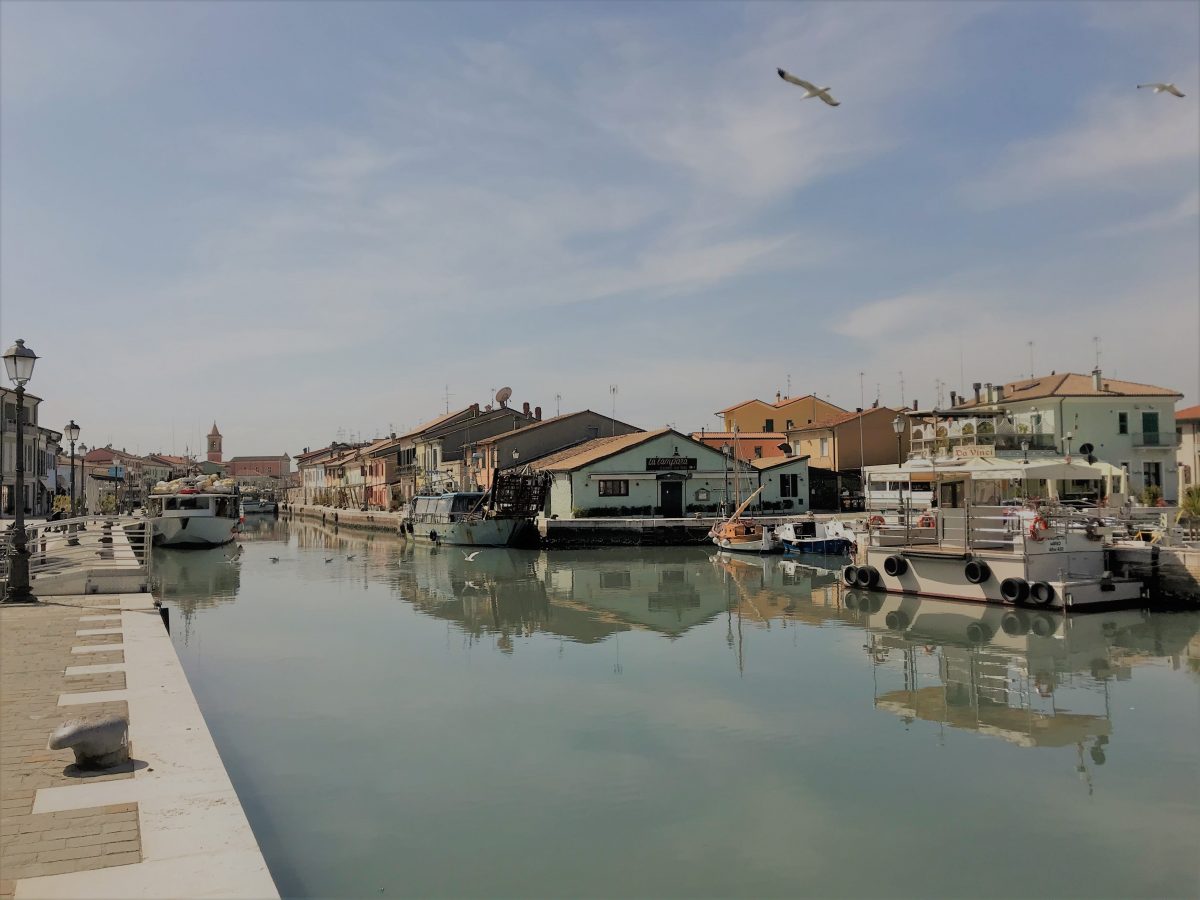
[99,744]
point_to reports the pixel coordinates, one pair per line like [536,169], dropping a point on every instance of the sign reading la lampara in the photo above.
[670,463]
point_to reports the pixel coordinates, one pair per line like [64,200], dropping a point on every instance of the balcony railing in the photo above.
[1167,439]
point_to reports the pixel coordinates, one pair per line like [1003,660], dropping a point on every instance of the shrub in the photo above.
[1151,494]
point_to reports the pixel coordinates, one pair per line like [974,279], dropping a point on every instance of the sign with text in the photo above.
[974,450]
[670,463]
[1057,545]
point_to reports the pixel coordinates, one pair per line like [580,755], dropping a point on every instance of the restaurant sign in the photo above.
[974,450]
[670,463]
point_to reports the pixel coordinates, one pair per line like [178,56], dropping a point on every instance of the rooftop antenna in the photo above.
[558,404]
[903,404]
[862,411]
[1096,344]
[1032,373]
[612,389]
[939,384]
[502,396]
[789,384]
[447,398]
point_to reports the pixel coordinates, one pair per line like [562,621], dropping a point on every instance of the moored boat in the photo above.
[831,538]
[740,535]
[194,512]
[501,517]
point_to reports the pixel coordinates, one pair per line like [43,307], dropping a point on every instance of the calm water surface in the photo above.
[670,722]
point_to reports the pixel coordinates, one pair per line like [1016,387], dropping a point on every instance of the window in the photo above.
[758,451]
[768,425]
[1122,423]
[615,581]
[789,485]
[824,447]
[613,487]
[790,424]
[1152,474]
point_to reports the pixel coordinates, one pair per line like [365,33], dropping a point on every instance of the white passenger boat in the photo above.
[973,546]
[194,512]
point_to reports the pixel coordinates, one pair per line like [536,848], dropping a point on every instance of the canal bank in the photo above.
[168,822]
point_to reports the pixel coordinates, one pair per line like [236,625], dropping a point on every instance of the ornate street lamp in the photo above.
[18,363]
[898,427]
[71,433]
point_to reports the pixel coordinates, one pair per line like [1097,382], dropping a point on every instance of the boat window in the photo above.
[172,503]
[193,503]
[442,505]
[466,502]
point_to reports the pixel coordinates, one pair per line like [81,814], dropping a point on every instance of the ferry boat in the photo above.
[194,512]
[976,545]
[831,538]
[501,517]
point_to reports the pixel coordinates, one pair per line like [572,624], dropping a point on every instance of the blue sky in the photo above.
[306,218]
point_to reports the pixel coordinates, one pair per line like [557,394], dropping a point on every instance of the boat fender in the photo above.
[876,521]
[1041,592]
[1015,624]
[897,620]
[1093,529]
[977,571]
[979,633]
[867,577]
[850,576]
[1038,528]
[1014,590]
[1043,625]
[433,536]
[895,565]
[927,521]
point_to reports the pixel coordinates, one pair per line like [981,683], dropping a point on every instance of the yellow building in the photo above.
[783,415]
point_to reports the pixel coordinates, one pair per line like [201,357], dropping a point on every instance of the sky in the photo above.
[312,221]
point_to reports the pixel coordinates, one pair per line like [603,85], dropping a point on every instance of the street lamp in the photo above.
[71,433]
[1025,451]
[898,427]
[18,363]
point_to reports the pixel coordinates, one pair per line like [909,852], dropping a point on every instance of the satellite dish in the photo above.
[503,394]
[1085,449]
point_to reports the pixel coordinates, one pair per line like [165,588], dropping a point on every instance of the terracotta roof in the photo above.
[1072,384]
[214,431]
[1188,414]
[843,419]
[769,462]
[778,404]
[247,458]
[592,451]
[539,424]
[741,435]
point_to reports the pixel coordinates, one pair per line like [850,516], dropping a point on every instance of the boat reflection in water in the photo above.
[196,580]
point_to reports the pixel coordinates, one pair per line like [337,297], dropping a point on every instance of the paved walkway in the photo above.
[166,824]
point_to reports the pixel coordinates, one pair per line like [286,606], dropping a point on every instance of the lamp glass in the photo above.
[18,362]
[898,425]
[71,431]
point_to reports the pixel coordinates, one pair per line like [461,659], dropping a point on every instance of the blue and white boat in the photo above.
[830,538]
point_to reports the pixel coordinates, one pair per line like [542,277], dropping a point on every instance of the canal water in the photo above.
[669,722]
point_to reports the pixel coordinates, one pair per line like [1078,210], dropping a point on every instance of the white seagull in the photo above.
[811,89]
[470,557]
[1160,88]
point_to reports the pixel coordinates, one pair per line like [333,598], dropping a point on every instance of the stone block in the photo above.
[98,744]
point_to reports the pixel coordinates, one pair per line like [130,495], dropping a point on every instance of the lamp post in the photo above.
[71,433]
[1025,451]
[18,363]
[898,427]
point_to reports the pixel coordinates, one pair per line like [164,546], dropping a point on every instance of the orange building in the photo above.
[750,444]
[786,413]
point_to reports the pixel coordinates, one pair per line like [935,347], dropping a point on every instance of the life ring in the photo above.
[926,521]
[876,520]
[1038,528]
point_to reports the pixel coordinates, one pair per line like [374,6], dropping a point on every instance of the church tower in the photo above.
[214,445]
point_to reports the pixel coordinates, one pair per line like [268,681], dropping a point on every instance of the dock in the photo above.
[166,824]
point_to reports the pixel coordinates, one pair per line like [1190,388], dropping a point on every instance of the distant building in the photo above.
[783,415]
[1187,457]
[214,445]
[525,445]
[749,445]
[851,440]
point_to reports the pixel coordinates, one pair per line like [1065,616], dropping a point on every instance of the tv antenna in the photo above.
[1032,373]
[1096,344]
[558,404]
[612,389]
[446,397]
[903,405]
[502,396]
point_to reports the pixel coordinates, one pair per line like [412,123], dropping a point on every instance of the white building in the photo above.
[40,445]
[1119,422]
[1187,425]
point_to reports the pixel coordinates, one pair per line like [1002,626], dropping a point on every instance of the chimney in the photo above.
[988,388]
[953,398]
[778,396]
[393,435]
[977,386]
[1096,380]
[475,408]
[999,392]
[525,409]
[537,413]
[916,403]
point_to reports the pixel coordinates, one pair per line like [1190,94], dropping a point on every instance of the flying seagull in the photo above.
[811,89]
[1160,88]
[470,557]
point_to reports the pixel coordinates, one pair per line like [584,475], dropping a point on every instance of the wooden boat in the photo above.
[743,536]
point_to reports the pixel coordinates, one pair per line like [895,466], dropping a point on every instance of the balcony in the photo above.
[1166,440]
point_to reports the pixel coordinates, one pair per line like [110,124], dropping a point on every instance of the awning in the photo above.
[997,469]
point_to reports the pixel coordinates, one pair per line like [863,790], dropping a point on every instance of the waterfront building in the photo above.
[850,441]
[785,484]
[656,473]
[265,472]
[750,445]
[383,464]
[781,416]
[1187,456]
[1125,423]
[176,466]
[41,447]
[532,442]
[440,460]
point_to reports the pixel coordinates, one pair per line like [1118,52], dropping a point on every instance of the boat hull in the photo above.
[476,533]
[193,531]
[823,546]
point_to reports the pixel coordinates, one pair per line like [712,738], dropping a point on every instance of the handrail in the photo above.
[85,542]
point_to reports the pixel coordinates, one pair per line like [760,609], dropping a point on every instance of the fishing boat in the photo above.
[501,517]
[197,511]
[830,538]
[254,503]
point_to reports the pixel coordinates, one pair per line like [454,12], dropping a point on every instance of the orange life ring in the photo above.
[926,521]
[876,520]
[1038,527]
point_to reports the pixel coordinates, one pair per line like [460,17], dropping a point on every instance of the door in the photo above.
[671,494]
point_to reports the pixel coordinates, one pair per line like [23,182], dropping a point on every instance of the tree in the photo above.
[1189,508]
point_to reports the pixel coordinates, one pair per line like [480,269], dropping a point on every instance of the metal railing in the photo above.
[976,527]
[1157,439]
[83,543]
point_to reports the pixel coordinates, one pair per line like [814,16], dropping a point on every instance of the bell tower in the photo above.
[214,445]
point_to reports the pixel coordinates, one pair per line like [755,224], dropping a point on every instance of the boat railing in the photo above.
[85,542]
[975,527]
